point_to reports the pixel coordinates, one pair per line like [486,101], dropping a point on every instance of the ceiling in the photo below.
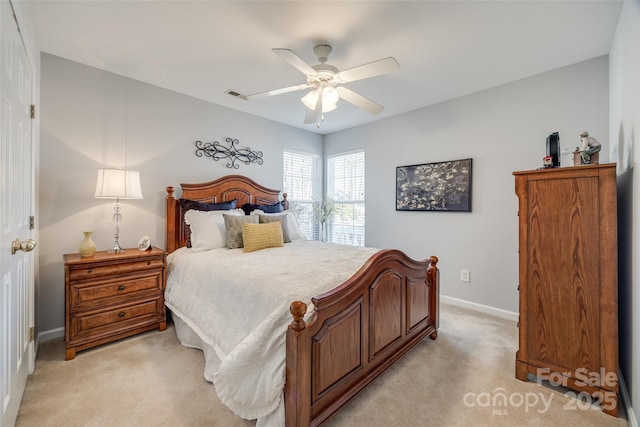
[445,49]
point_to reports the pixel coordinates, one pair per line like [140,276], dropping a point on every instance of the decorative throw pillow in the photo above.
[261,236]
[293,226]
[274,208]
[207,228]
[233,227]
[282,219]
[187,205]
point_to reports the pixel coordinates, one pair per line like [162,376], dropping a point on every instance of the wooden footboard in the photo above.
[356,332]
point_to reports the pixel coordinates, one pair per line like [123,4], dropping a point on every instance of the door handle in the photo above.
[26,245]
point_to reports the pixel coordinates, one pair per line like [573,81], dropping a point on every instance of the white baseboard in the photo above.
[49,335]
[632,420]
[498,312]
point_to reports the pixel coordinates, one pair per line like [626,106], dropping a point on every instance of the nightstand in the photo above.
[109,296]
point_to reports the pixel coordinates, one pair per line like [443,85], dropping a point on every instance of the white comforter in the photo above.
[238,303]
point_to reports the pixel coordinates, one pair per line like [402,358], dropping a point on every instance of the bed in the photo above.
[334,343]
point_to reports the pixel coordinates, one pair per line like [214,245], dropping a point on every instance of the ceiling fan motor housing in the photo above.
[322,51]
[325,73]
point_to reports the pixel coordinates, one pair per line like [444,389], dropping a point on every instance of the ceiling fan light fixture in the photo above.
[330,96]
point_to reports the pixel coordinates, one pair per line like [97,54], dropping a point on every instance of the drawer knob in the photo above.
[148,262]
[89,271]
[121,314]
[121,288]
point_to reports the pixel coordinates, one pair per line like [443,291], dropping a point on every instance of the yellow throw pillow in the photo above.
[261,236]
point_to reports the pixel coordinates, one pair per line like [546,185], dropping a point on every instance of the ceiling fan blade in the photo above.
[277,91]
[311,116]
[372,69]
[359,101]
[295,60]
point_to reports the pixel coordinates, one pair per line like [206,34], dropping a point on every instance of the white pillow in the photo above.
[292,223]
[294,227]
[207,228]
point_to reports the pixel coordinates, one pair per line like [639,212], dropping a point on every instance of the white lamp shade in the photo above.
[118,184]
[330,96]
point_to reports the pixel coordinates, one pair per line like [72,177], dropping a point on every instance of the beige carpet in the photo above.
[151,380]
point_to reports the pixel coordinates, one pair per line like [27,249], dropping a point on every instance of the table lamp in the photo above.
[118,184]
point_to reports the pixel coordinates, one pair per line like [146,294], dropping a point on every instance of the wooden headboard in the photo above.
[224,189]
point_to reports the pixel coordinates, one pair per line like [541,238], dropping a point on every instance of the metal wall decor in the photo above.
[441,186]
[236,155]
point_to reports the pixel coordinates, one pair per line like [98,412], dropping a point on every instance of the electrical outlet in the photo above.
[464,276]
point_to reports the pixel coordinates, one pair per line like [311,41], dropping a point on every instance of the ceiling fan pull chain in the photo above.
[321,120]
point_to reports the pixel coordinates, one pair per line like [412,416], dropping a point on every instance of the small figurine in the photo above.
[590,146]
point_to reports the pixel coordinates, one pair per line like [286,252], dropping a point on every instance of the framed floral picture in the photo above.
[441,186]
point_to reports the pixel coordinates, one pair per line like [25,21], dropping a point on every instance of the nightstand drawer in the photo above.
[109,291]
[103,322]
[89,271]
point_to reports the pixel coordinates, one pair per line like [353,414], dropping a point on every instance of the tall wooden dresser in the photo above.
[568,280]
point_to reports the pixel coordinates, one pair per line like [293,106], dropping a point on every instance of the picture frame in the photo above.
[439,186]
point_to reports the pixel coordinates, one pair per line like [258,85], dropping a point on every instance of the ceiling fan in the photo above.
[326,81]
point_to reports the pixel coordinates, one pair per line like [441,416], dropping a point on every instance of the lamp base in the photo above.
[116,249]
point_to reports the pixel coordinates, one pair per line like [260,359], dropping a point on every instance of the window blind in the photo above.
[345,186]
[302,182]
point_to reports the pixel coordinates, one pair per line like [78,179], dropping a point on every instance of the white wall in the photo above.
[93,119]
[624,133]
[503,129]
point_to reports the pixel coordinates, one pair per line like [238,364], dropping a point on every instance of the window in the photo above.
[345,186]
[302,183]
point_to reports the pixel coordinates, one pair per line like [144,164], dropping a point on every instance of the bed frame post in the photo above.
[297,388]
[433,279]
[171,232]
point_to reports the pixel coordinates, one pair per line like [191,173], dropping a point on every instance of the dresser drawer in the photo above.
[107,291]
[104,322]
[89,271]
